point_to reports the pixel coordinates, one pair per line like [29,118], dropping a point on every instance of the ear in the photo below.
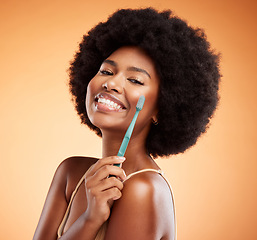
[154,116]
[155,120]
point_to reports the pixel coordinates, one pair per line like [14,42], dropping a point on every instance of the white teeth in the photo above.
[109,103]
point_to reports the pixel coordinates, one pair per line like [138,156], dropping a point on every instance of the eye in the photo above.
[106,72]
[135,81]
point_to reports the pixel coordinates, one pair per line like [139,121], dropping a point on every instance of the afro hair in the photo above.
[187,67]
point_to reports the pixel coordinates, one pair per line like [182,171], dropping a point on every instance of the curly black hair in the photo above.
[188,69]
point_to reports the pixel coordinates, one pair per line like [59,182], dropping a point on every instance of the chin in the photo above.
[109,123]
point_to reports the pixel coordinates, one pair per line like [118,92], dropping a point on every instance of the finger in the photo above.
[105,161]
[110,183]
[111,194]
[102,174]
[101,192]
[108,170]
[103,197]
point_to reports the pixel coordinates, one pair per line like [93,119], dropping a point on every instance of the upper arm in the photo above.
[138,214]
[55,205]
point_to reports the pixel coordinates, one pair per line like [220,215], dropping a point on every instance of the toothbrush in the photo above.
[128,134]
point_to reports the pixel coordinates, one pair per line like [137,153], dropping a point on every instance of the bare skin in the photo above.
[139,208]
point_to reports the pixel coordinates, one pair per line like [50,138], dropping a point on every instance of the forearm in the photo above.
[83,228]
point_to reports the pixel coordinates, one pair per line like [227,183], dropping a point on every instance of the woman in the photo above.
[134,53]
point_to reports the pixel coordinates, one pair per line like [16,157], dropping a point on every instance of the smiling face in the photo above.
[113,93]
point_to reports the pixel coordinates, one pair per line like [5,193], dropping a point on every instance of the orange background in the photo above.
[214,182]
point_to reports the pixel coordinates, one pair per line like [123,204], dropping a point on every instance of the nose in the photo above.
[113,84]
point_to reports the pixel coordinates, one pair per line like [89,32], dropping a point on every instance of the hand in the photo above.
[102,190]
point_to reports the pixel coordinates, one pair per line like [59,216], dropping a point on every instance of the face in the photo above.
[113,93]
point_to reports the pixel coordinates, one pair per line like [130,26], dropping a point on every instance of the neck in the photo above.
[136,154]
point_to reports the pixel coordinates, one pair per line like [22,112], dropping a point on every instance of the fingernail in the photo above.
[121,158]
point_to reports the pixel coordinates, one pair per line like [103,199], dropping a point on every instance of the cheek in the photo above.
[152,97]
[92,85]
[91,92]
[92,88]
[150,106]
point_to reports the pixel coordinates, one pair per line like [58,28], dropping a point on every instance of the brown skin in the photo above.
[141,206]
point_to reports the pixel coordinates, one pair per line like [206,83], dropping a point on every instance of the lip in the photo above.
[112,98]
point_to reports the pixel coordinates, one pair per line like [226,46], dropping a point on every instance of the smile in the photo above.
[109,101]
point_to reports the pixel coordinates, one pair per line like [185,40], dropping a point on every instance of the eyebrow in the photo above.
[134,69]
[110,62]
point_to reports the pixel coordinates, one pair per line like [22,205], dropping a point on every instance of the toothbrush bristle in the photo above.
[140,103]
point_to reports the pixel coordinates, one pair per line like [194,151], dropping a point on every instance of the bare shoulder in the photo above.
[65,179]
[146,205]
[76,163]
[146,184]
[150,191]
[73,169]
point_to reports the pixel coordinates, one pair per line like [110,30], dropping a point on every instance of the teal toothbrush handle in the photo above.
[126,138]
